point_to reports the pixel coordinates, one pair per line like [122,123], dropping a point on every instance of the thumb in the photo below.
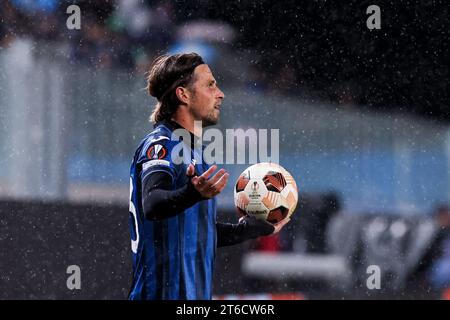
[190,170]
[279,225]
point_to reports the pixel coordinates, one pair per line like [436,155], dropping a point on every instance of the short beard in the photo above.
[210,121]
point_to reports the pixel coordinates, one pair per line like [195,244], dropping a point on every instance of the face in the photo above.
[206,97]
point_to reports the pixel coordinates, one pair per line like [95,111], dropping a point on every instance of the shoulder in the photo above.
[155,152]
[157,144]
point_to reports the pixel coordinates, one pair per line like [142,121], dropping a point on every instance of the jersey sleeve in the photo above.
[155,156]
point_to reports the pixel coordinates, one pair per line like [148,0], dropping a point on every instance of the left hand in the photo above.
[277,226]
[206,186]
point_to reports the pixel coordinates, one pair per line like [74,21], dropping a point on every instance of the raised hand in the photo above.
[206,186]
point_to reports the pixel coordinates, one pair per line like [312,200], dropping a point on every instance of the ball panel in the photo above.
[272,200]
[290,180]
[274,181]
[291,200]
[268,201]
[277,215]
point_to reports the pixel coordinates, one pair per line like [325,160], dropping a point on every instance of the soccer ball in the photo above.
[266,191]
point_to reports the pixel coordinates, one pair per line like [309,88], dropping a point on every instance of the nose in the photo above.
[220,94]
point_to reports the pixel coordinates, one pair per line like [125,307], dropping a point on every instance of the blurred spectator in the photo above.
[440,270]
[32,6]
[257,81]
[93,45]
[284,81]
[13,23]
[203,37]
[148,28]
[205,50]
[133,16]
[344,94]
[161,31]
[42,21]
[433,270]
[314,214]
[305,233]
[268,244]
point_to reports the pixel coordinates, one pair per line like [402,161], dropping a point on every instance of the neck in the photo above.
[188,122]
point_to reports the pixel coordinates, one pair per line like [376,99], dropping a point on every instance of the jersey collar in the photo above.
[172,125]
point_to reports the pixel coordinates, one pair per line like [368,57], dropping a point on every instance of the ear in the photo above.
[183,94]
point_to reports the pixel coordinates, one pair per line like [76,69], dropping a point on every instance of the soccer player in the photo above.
[174,232]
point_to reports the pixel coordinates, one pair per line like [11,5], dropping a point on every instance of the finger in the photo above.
[190,170]
[279,225]
[282,222]
[203,179]
[212,181]
[220,185]
[276,230]
[208,172]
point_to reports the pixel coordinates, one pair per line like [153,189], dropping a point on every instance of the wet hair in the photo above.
[166,74]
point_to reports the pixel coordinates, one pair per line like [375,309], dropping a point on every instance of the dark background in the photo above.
[325,46]
[40,240]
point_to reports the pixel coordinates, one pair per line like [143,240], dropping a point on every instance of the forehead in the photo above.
[203,72]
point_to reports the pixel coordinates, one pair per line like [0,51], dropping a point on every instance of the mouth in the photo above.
[217,107]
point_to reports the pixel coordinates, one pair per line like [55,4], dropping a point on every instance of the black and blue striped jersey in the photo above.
[173,258]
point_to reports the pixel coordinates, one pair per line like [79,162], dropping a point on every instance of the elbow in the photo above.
[150,211]
[155,212]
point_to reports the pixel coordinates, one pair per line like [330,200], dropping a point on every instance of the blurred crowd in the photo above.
[129,34]
[118,33]
[292,47]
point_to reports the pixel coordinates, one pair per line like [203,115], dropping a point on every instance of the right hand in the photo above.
[208,187]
